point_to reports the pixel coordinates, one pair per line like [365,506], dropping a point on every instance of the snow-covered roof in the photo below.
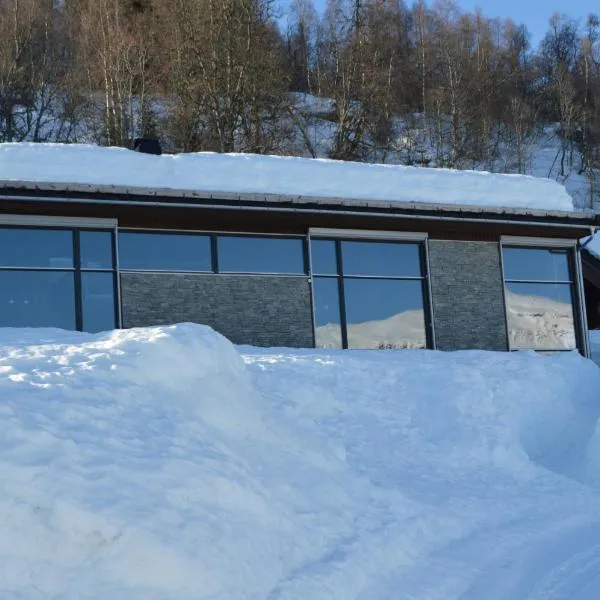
[62,166]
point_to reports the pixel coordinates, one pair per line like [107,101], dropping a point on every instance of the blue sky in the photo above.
[533,13]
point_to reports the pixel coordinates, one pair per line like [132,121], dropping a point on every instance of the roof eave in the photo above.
[136,195]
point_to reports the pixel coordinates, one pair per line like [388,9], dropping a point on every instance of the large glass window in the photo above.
[98,301]
[96,251]
[369,294]
[37,299]
[328,331]
[36,248]
[210,253]
[540,294]
[176,252]
[50,277]
[253,254]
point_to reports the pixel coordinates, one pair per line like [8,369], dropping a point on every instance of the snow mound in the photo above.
[165,463]
[245,173]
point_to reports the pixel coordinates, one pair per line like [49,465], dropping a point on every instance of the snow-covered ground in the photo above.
[595,345]
[245,173]
[165,463]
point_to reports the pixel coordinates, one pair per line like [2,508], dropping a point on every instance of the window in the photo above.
[369,294]
[174,252]
[47,278]
[210,253]
[36,248]
[540,297]
[37,299]
[95,249]
[98,301]
[254,254]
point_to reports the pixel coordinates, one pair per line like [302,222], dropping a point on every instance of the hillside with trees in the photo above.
[367,80]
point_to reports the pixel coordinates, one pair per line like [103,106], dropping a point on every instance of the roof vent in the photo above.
[147,146]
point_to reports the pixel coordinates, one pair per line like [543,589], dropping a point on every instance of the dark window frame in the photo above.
[76,269]
[173,233]
[301,238]
[214,236]
[573,283]
[341,277]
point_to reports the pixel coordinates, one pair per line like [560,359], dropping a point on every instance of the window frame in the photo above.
[276,236]
[73,225]
[576,285]
[174,232]
[338,236]
[214,251]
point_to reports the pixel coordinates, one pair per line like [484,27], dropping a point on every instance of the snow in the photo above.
[594,245]
[294,176]
[165,463]
[595,345]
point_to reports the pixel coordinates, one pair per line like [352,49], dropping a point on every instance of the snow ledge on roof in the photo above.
[210,172]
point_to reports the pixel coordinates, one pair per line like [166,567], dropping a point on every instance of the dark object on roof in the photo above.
[147,146]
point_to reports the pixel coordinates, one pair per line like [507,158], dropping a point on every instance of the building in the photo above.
[85,247]
[590,262]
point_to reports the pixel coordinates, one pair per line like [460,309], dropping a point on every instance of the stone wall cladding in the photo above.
[248,309]
[467,295]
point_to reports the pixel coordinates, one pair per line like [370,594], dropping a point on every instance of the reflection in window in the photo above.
[540,316]
[36,248]
[95,249]
[323,257]
[384,313]
[37,299]
[383,304]
[164,252]
[250,254]
[539,298]
[382,259]
[536,264]
[328,330]
[98,301]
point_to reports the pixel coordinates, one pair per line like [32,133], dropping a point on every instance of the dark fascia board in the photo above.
[42,191]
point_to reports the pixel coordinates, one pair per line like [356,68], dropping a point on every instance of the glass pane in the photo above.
[536,264]
[37,299]
[164,252]
[239,254]
[540,316]
[95,248]
[328,332]
[384,313]
[49,248]
[322,255]
[98,301]
[381,258]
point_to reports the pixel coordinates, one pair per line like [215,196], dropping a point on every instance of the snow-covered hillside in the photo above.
[165,464]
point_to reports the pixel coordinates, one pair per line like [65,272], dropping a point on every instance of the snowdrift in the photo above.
[208,172]
[165,463]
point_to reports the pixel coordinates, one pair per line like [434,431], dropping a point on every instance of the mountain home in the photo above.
[276,251]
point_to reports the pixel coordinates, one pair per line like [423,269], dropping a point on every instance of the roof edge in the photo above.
[7,186]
